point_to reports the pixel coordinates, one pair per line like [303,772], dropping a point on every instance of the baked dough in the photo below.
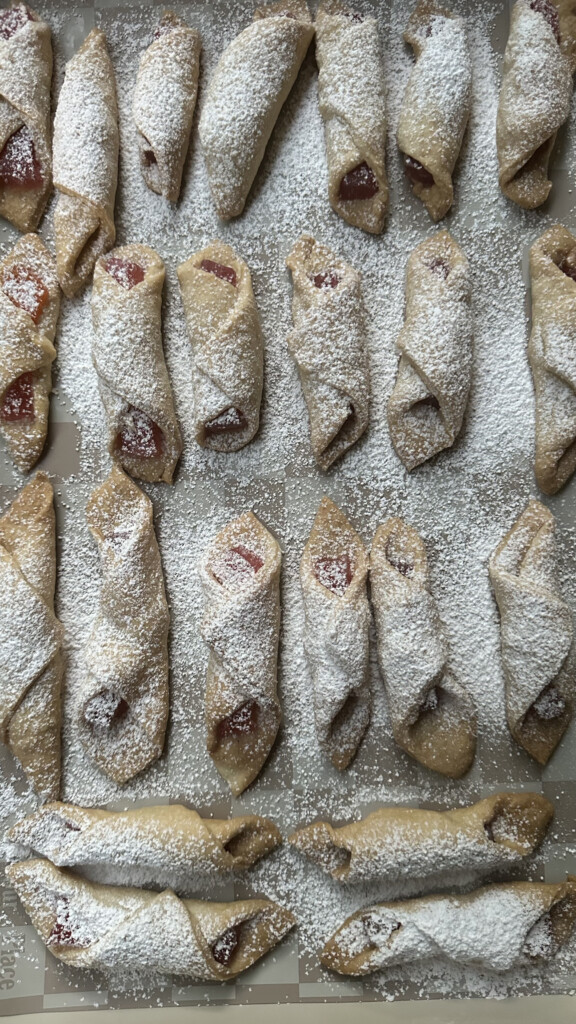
[329,347]
[427,405]
[31,637]
[241,578]
[517,924]
[228,348]
[25,145]
[333,573]
[122,707]
[246,93]
[535,96]
[143,434]
[352,100]
[85,163]
[552,355]
[164,102]
[112,928]
[436,104]
[29,309]
[400,843]
[536,632]
[167,837]
[432,716]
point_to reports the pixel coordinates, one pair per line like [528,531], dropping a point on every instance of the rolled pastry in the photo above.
[85,163]
[436,104]
[122,709]
[427,405]
[164,102]
[518,924]
[225,333]
[143,434]
[333,573]
[29,309]
[552,355]
[433,717]
[241,578]
[31,637]
[246,93]
[165,837]
[25,147]
[352,100]
[535,96]
[107,928]
[397,843]
[329,347]
[536,632]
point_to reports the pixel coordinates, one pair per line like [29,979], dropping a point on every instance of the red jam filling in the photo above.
[164,26]
[439,267]
[327,279]
[417,173]
[226,945]
[227,422]
[125,272]
[237,565]
[378,932]
[219,270]
[105,710]
[12,19]
[139,437]
[401,565]
[65,931]
[548,11]
[549,705]
[359,183]
[18,401]
[19,165]
[334,572]
[568,266]
[241,722]
[25,289]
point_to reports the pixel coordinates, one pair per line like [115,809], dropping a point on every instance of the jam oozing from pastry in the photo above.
[149,158]
[19,165]
[359,183]
[550,704]
[417,172]
[226,945]
[440,267]
[241,722]
[568,265]
[12,19]
[219,270]
[431,701]
[377,931]
[25,289]
[164,26]
[105,710]
[326,279]
[139,436]
[228,422]
[430,402]
[548,11]
[125,272]
[541,942]
[18,400]
[65,930]
[335,572]
[236,566]
[402,565]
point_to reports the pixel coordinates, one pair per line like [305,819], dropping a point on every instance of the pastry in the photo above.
[401,843]
[426,407]
[107,928]
[329,347]
[25,149]
[517,924]
[352,100]
[536,633]
[168,837]
[164,102]
[31,637]
[143,434]
[436,104]
[246,93]
[535,96]
[552,355]
[29,308]
[225,334]
[432,716]
[333,573]
[241,578]
[122,708]
[85,163]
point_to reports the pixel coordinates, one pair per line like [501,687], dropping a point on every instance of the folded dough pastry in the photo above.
[352,100]
[427,405]
[518,924]
[169,837]
[436,104]
[31,637]
[333,573]
[85,163]
[329,347]
[246,93]
[552,355]
[29,309]
[399,843]
[143,434]
[535,96]
[432,716]
[226,339]
[25,147]
[122,707]
[536,632]
[164,102]
[107,928]
[241,578]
